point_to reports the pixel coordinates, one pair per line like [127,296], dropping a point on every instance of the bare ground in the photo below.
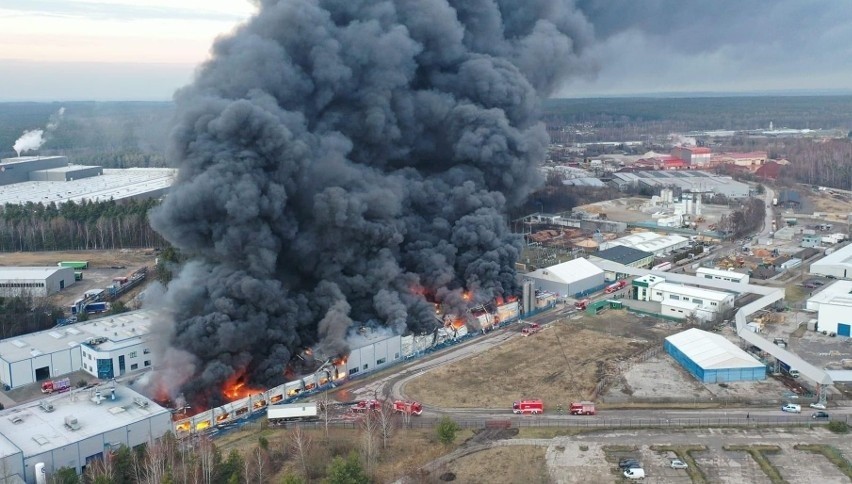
[562,363]
[509,465]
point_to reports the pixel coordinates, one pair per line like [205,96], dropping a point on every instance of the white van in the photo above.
[637,473]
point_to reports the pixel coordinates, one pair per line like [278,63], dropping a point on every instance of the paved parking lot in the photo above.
[568,462]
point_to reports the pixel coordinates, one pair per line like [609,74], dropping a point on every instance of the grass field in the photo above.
[97,258]
[560,364]
[498,465]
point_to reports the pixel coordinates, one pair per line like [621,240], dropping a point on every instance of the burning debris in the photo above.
[346,163]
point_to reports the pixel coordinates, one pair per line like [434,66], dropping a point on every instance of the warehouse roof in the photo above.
[568,272]
[113,184]
[35,431]
[119,330]
[647,241]
[692,291]
[721,273]
[840,293]
[30,273]
[711,351]
[841,257]
[623,254]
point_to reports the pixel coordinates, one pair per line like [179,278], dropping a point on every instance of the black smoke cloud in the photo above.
[342,159]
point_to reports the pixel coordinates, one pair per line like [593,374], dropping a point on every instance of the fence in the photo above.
[591,423]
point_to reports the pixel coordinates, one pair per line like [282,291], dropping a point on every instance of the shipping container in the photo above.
[74,264]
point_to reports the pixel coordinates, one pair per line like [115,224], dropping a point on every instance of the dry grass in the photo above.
[407,450]
[758,453]
[830,453]
[558,365]
[508,465]
[97,258]
[684,453]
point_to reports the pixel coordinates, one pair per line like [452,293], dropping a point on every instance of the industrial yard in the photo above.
[561,363]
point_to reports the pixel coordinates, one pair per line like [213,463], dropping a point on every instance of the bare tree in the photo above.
[151,468]
[369,437]
[100,469]
[386,422]
[206,452]
[260,460]
[301,444]
[324,406]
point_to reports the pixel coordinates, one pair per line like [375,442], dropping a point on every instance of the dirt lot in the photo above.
[498,465]
[103,266]
[561,363]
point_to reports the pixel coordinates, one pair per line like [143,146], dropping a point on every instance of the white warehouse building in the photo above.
[76,428]
[838,264]
[34,281]
[105,348]
[679,301]
[834,308]
[574,278]
[657,244]
[722,275]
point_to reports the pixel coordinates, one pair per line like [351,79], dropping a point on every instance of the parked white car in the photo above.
[792,408]
[818,406]
[678,464]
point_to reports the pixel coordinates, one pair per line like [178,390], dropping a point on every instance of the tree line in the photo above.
[744,220]
[77,226]
[291,456]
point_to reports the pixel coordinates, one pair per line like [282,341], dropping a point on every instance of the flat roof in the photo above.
[720,273]
[38,431]
[691,306]
[27,159]
[692,291]
[65,169]
[568,272]
[30,272]
[113,184]
[646,241]
[838,293]
[712,351]
[623,254]
[120,330]
[841,257]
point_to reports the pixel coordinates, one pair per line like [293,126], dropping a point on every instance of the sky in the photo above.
[58,50]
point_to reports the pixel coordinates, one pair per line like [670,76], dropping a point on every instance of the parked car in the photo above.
[637,473]
[817,406]
[819,415]
[678,464]
[629,463]
[792,408]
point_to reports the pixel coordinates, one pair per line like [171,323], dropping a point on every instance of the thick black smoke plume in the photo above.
[346,161]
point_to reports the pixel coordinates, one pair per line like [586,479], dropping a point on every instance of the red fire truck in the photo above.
[616,286]
[533,407]
[531,328]
[366,405]
[583,304]
[56,386]
[409,407]
[582,408]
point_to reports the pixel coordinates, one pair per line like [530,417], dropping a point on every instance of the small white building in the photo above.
[105,348]
[679,301]
[657,244]
[722,275]
[74,429]
[568,279]
[838,264]
[34,281]
[834,308]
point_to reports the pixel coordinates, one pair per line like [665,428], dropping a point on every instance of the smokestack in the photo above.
[349,163]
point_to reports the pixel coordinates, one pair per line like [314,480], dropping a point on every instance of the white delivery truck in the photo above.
[278,414]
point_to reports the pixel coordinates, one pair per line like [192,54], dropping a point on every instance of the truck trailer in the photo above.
[56,386]
[292,411]
[788,370]
[616,286]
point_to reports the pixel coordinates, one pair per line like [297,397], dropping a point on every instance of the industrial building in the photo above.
[711,358]
[624,255]
[76,428]
[685,180]
[722,275]
[105,348]
[834,308]
[679,301]
[576,277]
[838,264]
[52,179]
[658,244]
[34,281]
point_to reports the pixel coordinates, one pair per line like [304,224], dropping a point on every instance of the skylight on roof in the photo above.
[19,343]
[55,334]
[72,331]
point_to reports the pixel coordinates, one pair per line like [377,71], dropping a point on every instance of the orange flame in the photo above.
[466,296]
[236,388]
